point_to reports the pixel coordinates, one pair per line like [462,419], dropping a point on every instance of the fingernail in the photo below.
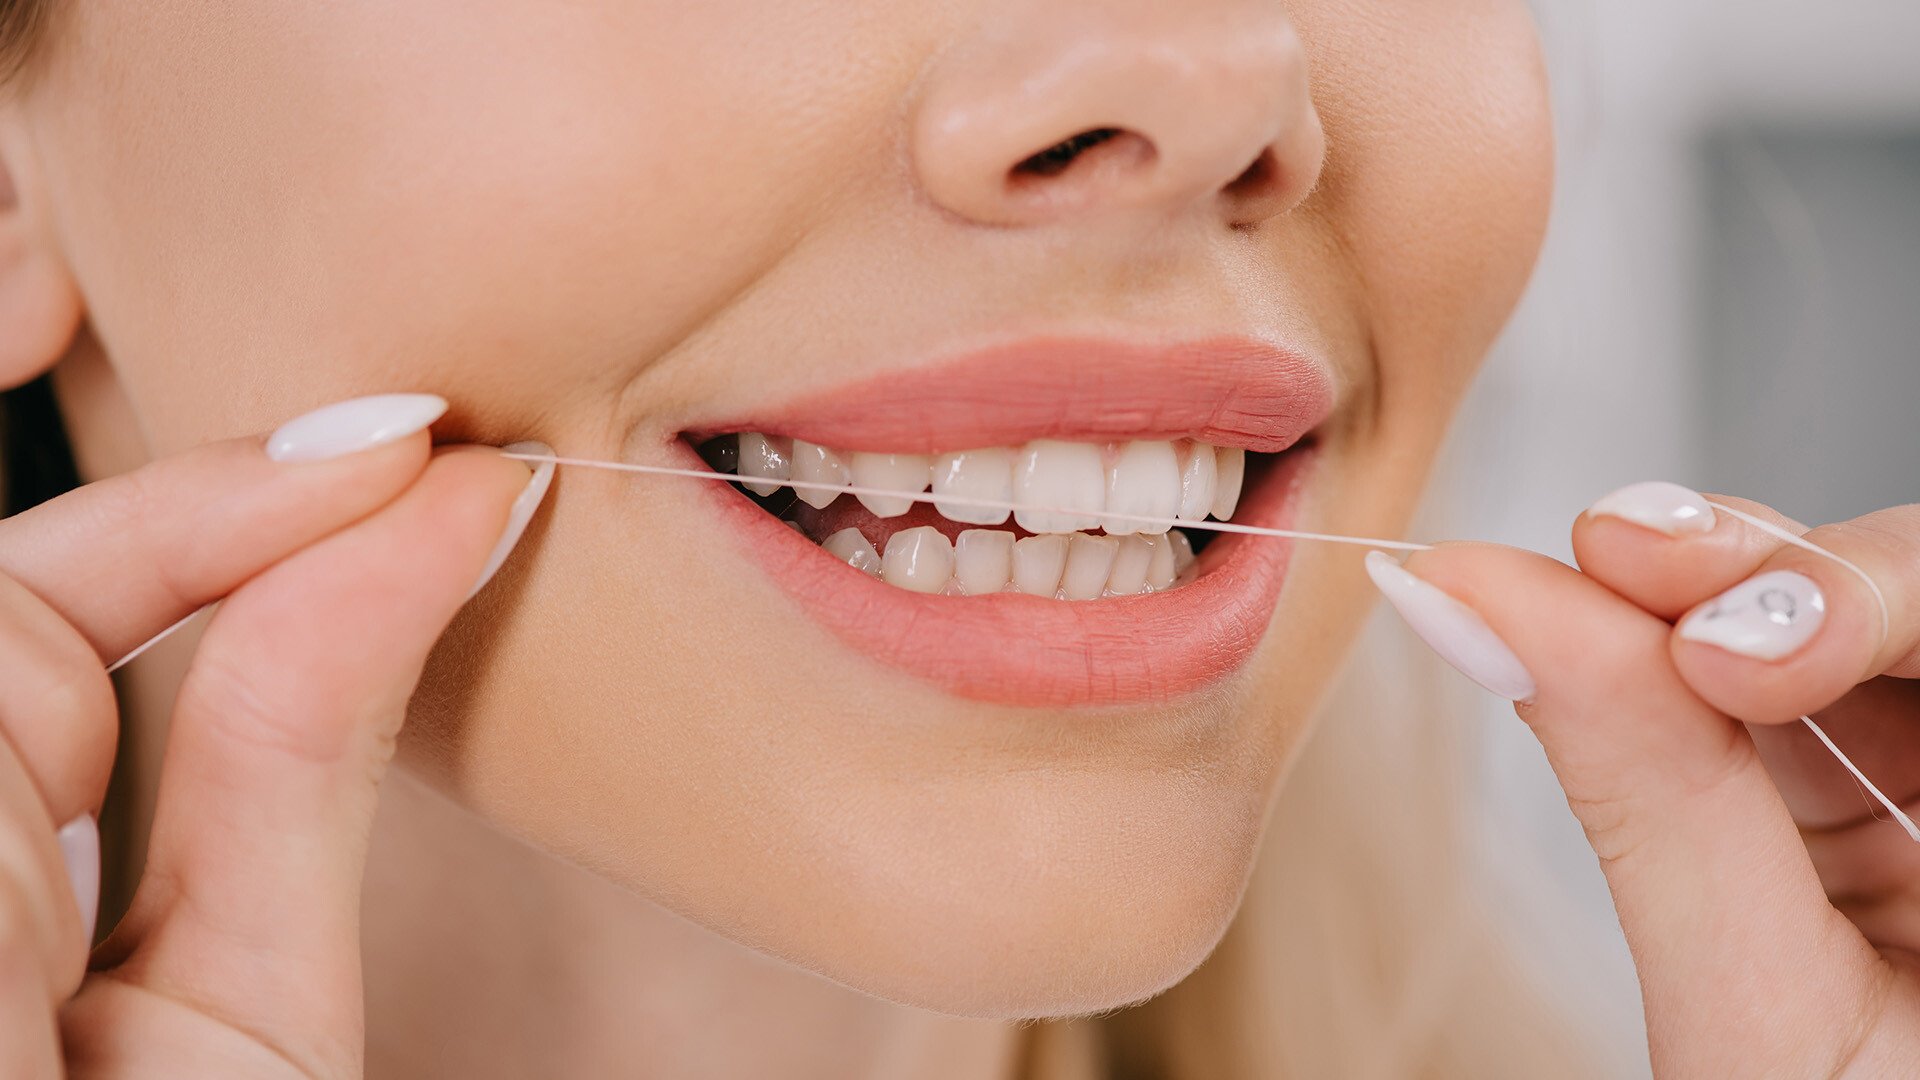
[1767,617]
[1658,505]
[524,508]
[1452,629]
[80,847]
[348,427]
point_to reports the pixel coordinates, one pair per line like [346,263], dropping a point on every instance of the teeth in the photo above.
[895,472]
[974,474]
[920,560]
[983,561]
[817,464]
[1063,474]
[1038,562]
[765,456]
[1130,566]
[1144,480]
[850,547]
[1077,566]
[1089,564]
[1231,464]
[1161,569]
[1183,555]
[1198,475]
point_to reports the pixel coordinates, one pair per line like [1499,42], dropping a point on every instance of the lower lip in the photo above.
[1014,649]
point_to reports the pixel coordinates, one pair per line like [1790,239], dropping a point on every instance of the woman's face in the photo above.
[624,226]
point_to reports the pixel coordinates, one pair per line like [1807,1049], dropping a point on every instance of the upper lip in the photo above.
[1227,391]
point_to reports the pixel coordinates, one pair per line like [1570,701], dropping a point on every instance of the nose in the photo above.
[1061,110]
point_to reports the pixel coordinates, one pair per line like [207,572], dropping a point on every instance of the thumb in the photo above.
[249,907]
[1745,968]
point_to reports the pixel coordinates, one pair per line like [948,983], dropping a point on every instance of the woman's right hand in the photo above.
[241,953]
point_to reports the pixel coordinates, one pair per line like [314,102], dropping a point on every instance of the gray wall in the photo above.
[1810,315]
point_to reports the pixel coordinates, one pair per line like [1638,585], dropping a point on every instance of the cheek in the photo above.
[1439,176]
[497,201]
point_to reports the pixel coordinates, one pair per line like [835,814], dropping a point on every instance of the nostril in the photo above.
[1255,178]
[1076,170]
[1253,195]
[1054,159]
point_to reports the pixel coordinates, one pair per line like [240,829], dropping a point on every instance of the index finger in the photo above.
[124,558]
[1663,547]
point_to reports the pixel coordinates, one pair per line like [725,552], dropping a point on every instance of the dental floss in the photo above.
[1886,630]
[976,501]
[1879,796]
[1778,533]
[155,640]
[1767,527]
[1900,816]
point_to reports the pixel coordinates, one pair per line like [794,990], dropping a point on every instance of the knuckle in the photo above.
[1607,825]
[76,694]
[57,701]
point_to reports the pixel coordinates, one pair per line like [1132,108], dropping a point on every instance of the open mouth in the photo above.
[1044,604]
[962,546]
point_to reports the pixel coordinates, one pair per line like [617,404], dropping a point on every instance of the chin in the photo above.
[1100,893]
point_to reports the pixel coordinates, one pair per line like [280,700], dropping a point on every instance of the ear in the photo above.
[40,305]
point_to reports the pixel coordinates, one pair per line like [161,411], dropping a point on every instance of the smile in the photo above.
[1033,606]
[1051,552]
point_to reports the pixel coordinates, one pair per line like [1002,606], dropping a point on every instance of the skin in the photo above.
[561,217]
[1769,909]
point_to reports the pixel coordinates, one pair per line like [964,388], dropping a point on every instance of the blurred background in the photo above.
[1729,298]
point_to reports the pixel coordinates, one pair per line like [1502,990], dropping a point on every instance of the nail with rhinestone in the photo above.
[1766,617]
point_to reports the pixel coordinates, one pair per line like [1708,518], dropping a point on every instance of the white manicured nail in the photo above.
[80,847]
[524,508]
[1452,629]
[348,427]
[1658,505]
[1767,617]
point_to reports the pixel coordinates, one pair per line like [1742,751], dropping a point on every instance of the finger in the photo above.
[57,707]
[283,727]
[124,558]
[1803,630]
[1666,549]
[1713,887]
[29,1037]
[40,918]
[1663,547]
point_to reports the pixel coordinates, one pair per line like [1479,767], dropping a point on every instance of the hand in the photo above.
[240,956]
[1773,919]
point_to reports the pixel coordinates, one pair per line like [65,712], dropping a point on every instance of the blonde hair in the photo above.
[20,23]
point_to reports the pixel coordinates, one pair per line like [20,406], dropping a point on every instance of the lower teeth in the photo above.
[1067,566]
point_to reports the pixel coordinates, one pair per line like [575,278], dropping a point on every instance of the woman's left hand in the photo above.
[1774,919]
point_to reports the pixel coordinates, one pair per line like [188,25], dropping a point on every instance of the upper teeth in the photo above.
[1147,478]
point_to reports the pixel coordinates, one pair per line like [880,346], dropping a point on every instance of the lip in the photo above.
[1032,651]
[1228,391]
